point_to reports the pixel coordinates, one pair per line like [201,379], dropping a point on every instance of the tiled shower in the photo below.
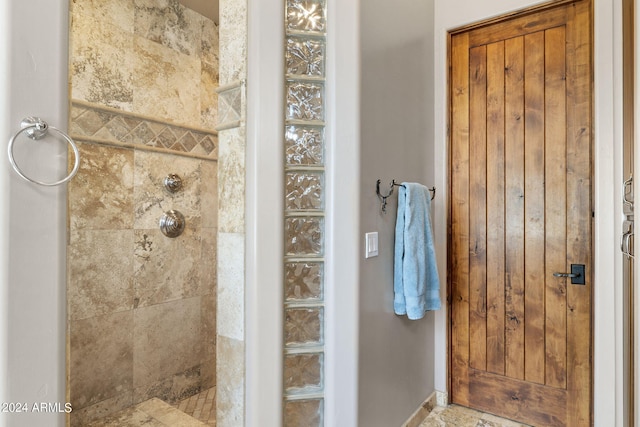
[141,306]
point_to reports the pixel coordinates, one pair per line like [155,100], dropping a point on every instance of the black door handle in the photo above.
[576,275]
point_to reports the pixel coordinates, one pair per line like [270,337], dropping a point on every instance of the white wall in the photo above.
[450,14]
[396,361]
[32,270]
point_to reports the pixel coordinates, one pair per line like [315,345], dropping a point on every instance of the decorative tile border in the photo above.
[305,193]
[96,123]
[230,103]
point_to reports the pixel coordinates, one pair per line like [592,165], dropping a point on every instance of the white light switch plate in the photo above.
[371,244]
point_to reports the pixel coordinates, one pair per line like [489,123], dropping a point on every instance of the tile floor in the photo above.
[201,406]
[200,411]
[458,416]
[197,411]
[152,413]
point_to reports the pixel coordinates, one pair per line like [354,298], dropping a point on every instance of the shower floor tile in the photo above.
[201,406]
[458,416]
[152,413]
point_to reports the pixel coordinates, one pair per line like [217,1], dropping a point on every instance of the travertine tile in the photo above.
[119,13]
[151,413]
[160,71]
[151,199]
[99,275]
[210,43]
[101,194]
[231,177]
[130,417]
[209,261]
[166,340]
[167,414]
[209,96]
[230,388]
[209,339]
[83,416]
[170,24]
[209,194]
[102,63]
[203,403]
[230,310]
[171,388]
[233,41]
[459,416]
[166,269]
[101,358]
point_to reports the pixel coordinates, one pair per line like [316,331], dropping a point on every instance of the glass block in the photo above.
[305,101]
[303,326]
[304,236]
[304,145]
[303,413]
[304,191]
[306,15]
[305,57]
[303,281]
[303,371]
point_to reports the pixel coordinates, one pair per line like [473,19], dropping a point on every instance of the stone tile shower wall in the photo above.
[230,395]
[304,213]
[141,306]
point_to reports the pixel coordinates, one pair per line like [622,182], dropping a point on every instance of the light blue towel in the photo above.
[416,284]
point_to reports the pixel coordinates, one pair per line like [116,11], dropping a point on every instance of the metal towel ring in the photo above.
[36,128]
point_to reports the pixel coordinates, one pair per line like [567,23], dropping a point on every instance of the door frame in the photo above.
[607,155]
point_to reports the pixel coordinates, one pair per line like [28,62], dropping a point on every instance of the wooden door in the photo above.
[520,211]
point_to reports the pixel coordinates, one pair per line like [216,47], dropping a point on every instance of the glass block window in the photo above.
[305,194]
[304,146]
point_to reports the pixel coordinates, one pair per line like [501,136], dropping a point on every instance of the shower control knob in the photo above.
[173,183]
[172,223]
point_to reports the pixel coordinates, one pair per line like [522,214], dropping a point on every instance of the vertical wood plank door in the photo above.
[520,211]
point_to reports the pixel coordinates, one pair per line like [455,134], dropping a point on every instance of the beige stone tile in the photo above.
[230,388]
[119,13]
[209,97]
[83,416]
[172,388]
[159,71]
[152,199]
[166,269]
[169,24]
[208,367]
[209,194]
[490,419]
[167,340]
[167,414]
[102,62]
[209,260]
[130,417]
[233,41]
[230,309]
[101,358]
[99,272]
[231,180]
[101,194]
[210,47]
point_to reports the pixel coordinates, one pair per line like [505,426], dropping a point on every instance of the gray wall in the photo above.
[396,372]
[32,264]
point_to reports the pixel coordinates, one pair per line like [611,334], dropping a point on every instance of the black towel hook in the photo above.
[383,198]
